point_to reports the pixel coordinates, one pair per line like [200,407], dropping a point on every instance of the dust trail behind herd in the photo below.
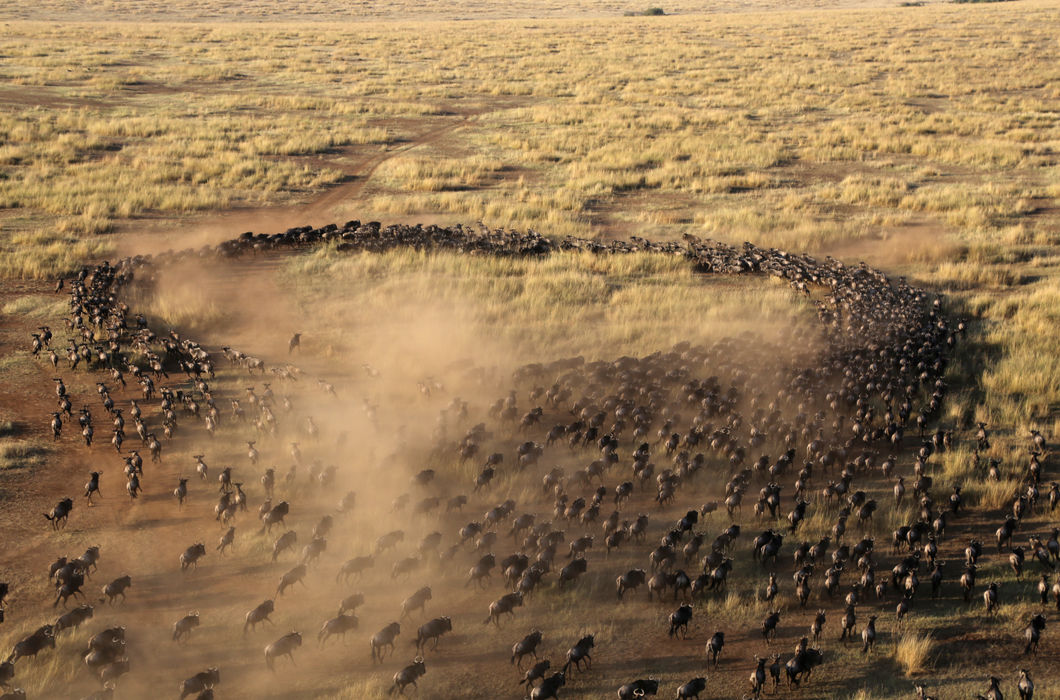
[395,364]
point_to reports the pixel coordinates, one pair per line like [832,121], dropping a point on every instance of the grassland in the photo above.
[923,139]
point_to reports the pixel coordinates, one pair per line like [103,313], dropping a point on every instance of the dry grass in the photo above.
[914,653]
[565,126]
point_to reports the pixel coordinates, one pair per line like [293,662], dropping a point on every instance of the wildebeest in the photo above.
[60,513]
[183,627]
[433,629]
[715,645]
[7,672]
[355,567]
[679,620]
[31,645]
[549,687]
[227,539]
[631,580]
[116,588]
[351,602]
[801,666]
[284,646]
[580,652]
[994,692]
[769,625]
[534,674]
[1025,686]
[191,556]
[284,542]
[337,626]
[692,689]
[506,604]
[200,682]
[526,645]
[638,689]
[259,614]
[74,618]
[416,601]
[1033,633]
[408,675]
[275,516]
[295,575]
[92,486]
[384,638]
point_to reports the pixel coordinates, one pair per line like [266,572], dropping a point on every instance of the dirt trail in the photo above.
[357,165]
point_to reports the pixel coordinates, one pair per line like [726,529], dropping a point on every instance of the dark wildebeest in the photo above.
[536,673]
[801,666]
[432,630]
[295,575]
[506,604]
[191,556]
[284,542]
[355,567]
[32,644]
[679,620]
[631,580]
[337,626]
[549,687]
[116,588]
[73,619]
[580,652]
[715,645]
[384,638]
[409,675]
[638,689]
[200,682]
[526,645]
[416,601]
[183,627]
[1033,633]
[60,513]
[284,646]
[692,689]
[259,614]
[351,602]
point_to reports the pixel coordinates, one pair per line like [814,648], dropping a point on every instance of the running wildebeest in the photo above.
[527,645]
[33,644]
[60,513]
[183,627]
[715,645]
[506,604]
[416,601]
[580,652]
[432,630]
[116,588]
[191,556]
[295,575]
[408,675]
[284,646]
[200,682]
[549,687]
[692,689]
[259,614]
[337,626]
[679,620]
[74,618]
[638,689]
[384,638]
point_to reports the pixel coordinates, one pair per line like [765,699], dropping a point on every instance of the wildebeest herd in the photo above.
[690,431]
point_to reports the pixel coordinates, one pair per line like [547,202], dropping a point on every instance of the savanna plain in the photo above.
[922,139]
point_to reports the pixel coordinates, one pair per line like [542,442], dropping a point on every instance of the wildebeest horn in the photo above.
[418,660]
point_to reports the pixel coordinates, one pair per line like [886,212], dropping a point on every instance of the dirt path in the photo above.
[357,165]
